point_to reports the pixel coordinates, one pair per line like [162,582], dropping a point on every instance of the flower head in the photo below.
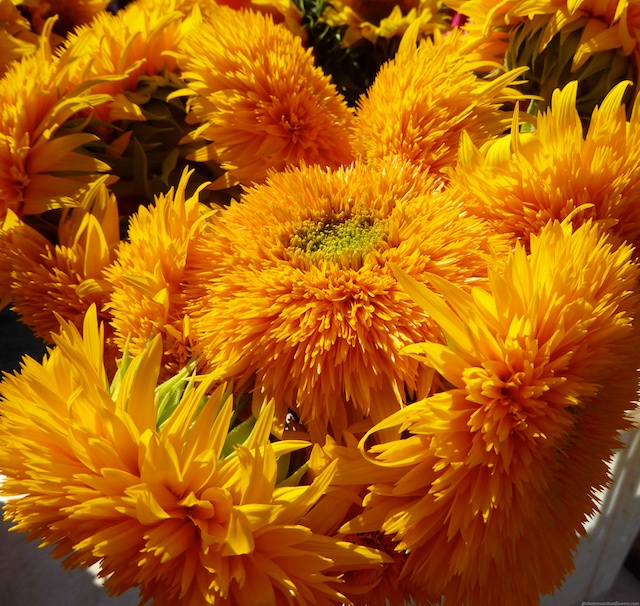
[176,510]
[147,275]
[521,182]
[420,103]
[382,18]
[39,167]
[140,129]
[496,474]
[593,42]
[261,102]
[49,280]
[299,288]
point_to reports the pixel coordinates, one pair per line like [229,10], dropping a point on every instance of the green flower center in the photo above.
[337,237]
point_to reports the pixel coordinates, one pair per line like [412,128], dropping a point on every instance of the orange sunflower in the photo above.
[299,290]
[421,102]
[260,101]
[39,167]
[521,182]
[147,276]
[183,512]
[130,57]
[44,279]
[495,476]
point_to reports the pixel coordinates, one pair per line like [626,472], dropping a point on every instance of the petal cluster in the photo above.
[422,101]
[147,276]
[175,510]
[523,181]
[498,471]
[298,286]
[262,102]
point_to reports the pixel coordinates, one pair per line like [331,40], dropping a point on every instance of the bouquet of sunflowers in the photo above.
[341,296]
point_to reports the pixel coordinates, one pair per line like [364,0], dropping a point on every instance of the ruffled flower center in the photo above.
[336,237]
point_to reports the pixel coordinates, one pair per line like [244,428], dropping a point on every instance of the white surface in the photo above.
[30,577]
[601,554]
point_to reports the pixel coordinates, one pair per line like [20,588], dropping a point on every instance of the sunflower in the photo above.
[420,103]
[594,42]
[178,511]
[39,167]
[521,182]
[66,278]
[129,57]
[299,290]
[147,276]
[496,475]
[376,19]
[260,101]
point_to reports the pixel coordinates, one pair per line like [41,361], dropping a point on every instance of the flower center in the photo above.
[337,236]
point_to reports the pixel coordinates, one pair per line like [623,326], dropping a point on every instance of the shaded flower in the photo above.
[68,13]
[299,290]
[16,38]
[591,41]
[496,475]
[66,278]
[148,294]
[382,585]
[39,168]
[260,101]
[373,19]
[129,57]
[421,102]
[521,182]
[179,512]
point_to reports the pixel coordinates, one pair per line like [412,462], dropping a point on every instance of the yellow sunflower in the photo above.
[595,42]
[39,167]
[521,182]
[178,511]
[260,101]
[299,288]
[421,101]
[148,272]
[117,50]
[44,279]
[373,19]
[495,476]
[130,58]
